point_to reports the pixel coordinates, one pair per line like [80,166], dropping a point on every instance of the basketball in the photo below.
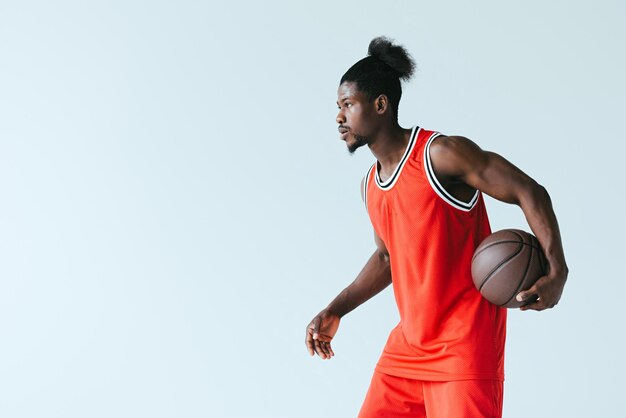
[506,263]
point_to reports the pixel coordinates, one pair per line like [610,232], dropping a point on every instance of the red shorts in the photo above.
[395,397]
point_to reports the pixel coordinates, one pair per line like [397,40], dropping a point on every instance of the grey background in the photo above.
[177,206]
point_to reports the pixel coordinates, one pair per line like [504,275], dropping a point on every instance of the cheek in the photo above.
[359,120]
[355,114]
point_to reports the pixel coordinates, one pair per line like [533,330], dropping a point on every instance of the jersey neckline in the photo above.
[388,184]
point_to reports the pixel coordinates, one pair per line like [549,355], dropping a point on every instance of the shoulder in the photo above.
[452,144]
[453,155]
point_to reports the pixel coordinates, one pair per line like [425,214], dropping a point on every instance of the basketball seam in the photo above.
[519,250]
[530,258]
[504,242]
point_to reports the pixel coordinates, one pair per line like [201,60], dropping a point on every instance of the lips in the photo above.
[343,132]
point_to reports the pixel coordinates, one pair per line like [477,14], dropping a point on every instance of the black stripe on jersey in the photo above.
[390,181]
[466,206]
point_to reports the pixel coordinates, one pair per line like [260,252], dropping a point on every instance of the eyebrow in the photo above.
[344,99]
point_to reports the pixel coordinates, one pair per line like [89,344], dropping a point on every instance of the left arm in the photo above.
[459,158]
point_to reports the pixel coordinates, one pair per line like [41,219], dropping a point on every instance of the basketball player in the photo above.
[445,358]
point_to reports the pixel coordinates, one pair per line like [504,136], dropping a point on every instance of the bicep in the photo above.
[380,246]
[483,170]
[499,178]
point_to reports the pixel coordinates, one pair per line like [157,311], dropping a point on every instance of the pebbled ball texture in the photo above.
[505,263]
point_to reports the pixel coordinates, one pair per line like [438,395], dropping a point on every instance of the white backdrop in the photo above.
[177,206]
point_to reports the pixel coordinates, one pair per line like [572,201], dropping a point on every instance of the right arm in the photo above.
[373,278]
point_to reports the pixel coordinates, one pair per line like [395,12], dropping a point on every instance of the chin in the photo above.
[353,147]
[355,144]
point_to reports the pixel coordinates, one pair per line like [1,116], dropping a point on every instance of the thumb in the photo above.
[527,294]
[316,328]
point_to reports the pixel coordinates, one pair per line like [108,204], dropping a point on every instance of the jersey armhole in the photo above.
[436,185]
[364,182]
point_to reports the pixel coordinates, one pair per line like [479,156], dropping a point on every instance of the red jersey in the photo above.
[447,330]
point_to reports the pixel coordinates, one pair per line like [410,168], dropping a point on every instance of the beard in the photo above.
[359,141]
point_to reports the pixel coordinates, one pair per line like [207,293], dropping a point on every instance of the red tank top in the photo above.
[447,330]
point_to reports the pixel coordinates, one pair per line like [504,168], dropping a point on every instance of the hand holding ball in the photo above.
[506,263]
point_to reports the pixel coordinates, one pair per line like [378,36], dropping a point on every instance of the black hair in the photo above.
[381,71]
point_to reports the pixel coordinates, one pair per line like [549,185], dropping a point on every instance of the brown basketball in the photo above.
[506,263]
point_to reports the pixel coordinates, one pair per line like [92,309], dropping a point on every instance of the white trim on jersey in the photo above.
[387,185]
[367,178]
[438,188]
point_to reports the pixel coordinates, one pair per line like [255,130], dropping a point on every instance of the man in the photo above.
[445,358]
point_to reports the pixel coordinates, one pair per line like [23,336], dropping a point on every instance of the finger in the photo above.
[539,305]
[325,348]
[324,345]
[308,341]
[330,350]
[314,347]
[528,295]
[531,299]
[319,349]
[309,338]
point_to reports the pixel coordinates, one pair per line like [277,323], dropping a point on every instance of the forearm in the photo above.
[373,278]
[537,208]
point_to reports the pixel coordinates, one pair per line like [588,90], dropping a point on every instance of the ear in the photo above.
[381,104]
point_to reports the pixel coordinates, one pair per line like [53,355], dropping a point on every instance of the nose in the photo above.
[340,117]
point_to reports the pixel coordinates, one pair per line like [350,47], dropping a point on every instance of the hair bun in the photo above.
[394,56]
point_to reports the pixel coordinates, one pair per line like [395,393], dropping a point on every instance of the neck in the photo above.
[388,145]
